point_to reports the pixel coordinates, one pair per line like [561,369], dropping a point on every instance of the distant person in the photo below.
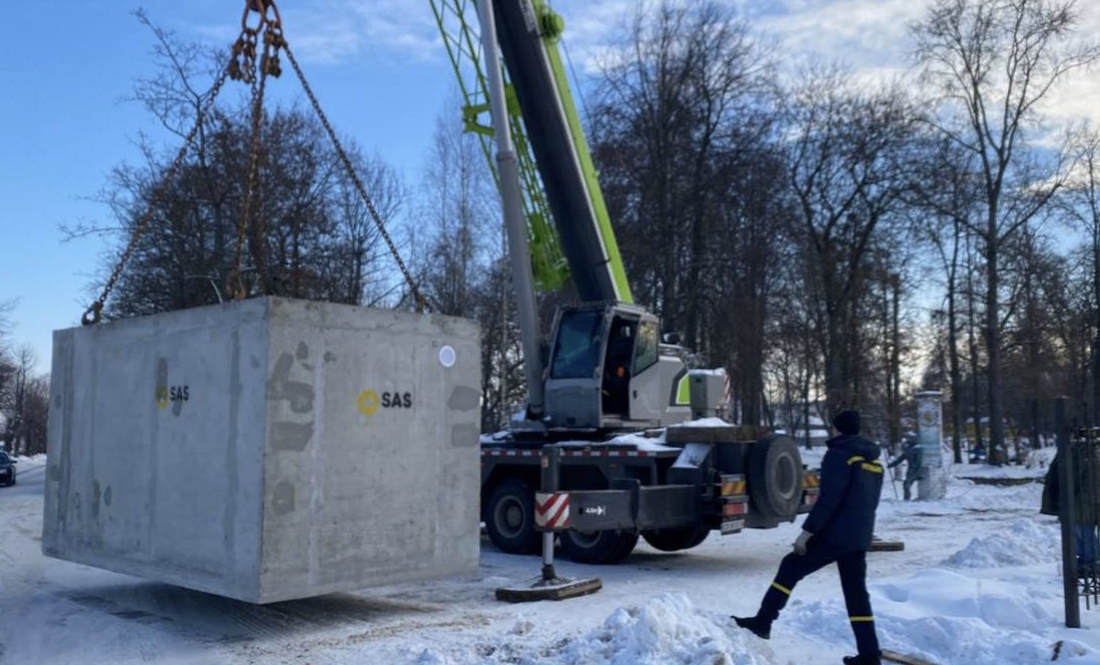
[913,456]
[838,529]
[1085,534]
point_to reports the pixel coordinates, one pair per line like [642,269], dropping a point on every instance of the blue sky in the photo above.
[377,66]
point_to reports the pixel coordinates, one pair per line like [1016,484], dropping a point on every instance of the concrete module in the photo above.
[267,449]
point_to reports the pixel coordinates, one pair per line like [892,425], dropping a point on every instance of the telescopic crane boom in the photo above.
[606,368]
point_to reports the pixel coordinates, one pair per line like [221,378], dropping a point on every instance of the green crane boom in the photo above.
[557,173]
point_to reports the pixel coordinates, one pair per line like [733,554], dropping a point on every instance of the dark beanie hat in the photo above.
[847,422]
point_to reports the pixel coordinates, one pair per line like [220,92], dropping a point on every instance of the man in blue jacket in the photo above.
[838,529]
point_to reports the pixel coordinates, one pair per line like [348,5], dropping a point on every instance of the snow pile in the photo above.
[704,422]
[967,498]
[1023,543]
[641,442]
[1033,471]
[668,629]
[946,617]
[952,618]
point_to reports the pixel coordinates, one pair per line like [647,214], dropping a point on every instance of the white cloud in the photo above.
[869,36]
[860,33]
[336,32]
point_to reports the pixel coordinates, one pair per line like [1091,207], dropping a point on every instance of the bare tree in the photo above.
[36,411]
[463,262]
[15,408]
[1082,203]
[358,273]
[308,235]
[693,181]
[459,211]
[944,197]
[7,364]
[848,169]
[994,61]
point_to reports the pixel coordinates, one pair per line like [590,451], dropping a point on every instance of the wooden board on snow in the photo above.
[895,657]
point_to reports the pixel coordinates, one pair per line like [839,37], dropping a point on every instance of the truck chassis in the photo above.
[601,496]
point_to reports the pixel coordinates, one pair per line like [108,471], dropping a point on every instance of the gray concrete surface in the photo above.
[268,449]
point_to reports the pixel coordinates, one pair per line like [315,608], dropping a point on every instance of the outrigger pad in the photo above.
[556,589]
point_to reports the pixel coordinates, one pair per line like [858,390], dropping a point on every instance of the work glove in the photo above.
[800,542]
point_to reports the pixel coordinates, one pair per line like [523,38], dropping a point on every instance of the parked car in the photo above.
[7,469]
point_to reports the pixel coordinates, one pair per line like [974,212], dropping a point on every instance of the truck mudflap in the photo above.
[733,501]
[811,490]
[629,508]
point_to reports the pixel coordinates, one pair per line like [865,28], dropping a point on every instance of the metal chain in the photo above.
[94,313]
[244,68]
[421,303]
[234,284]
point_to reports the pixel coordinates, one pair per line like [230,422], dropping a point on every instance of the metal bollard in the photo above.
[1067,515]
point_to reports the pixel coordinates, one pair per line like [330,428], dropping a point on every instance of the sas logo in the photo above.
[166,394]
[369,401]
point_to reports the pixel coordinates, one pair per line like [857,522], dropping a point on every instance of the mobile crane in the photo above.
[607,370]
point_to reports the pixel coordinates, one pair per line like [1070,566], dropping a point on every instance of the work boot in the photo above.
[862,660]
[756,625]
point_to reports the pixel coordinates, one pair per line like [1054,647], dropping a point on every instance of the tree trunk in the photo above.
[953,354]
[972,344]
[895,362]
[993,348]
[806,410]
[1096,322]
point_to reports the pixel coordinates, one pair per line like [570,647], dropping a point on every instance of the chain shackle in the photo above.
[92,315]
[266,14]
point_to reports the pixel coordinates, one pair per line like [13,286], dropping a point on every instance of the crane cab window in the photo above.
[645,354]
[617,365]
[577,348]
[620,345]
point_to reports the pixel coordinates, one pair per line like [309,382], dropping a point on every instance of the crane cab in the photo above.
[608,370]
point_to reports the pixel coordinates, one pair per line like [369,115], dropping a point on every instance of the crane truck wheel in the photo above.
[679,538]
[510,519]
[598,547]
[775,477]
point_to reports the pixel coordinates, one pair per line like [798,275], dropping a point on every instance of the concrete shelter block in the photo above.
[267,449]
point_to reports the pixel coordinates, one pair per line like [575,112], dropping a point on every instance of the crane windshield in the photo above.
[577,349]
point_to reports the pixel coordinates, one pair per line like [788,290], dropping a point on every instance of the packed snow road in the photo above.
[977,584]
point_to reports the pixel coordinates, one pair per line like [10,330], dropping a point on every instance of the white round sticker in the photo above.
[447,356]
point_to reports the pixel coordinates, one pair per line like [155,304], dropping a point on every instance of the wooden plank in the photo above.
[693,434]
[903,659]
[887,546]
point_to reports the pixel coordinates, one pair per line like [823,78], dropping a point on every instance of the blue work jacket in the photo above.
[851,482]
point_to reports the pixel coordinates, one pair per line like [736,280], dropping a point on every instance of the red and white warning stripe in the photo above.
[583,452]
[552,510]
[509,452]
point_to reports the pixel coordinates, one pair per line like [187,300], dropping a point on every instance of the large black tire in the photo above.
[598,547]
[775,477]
[674,540]
[510,518]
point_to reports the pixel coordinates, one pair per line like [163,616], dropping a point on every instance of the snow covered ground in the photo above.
[977,584]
